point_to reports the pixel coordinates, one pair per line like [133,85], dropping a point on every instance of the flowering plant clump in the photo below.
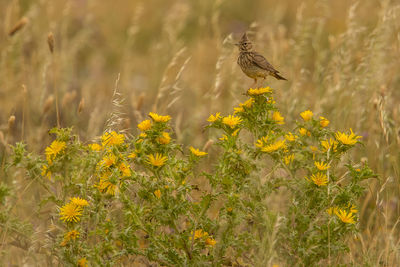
[145,199]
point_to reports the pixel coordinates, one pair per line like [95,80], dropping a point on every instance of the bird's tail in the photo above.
[279,77]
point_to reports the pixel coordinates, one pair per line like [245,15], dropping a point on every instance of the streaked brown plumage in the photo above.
[253,64]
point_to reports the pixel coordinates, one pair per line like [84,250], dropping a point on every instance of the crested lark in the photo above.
[253,64]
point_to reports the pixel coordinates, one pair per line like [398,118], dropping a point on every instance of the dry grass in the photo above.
[59,62]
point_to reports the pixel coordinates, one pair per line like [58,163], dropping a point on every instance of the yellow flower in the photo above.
[238,110]
[248,103]
[164,138]
[197,152]
[82,262]
[314,149]
[231,121]
[79,201]
[157,160]
[331,210]
[214,118]
[304,132]
[71,235]
[235,132]
[210,241]
[199,234]
[95,147]
[277,117]
[353,208]
[157,193]
[223,137]
[306,115]
[273,147]
[271,100]
[108,160]
[45,171]
[262,141]
[132,155]
[330,144]
[344,216]
[144,125]
[105,185]
[55,148]
[291,137]
[70,213]
[111,139]
[159,118]
[323,121]
[347,139]
[259,91]
[288,159]
[319,179]
[322,166]
[126,171]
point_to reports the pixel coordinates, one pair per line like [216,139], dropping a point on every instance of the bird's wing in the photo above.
[260,61]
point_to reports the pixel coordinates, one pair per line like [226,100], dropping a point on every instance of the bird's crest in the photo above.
[244,38]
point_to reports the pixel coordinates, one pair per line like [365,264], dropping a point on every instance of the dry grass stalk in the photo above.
[81,105]
[48,104]
[175,88]
[164,86]
[225,54]
[2,139]
[68,98]
[383,116]
[11,122]
[50,42]
[18,26]
[207,145]
[24,96]
[140,101]
[116,117]
[126,123]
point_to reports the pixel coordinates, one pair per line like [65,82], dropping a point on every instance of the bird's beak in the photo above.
[237,44]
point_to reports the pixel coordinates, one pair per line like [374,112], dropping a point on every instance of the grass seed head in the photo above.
[18,26]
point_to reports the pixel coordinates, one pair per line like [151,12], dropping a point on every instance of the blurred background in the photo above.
[176,57]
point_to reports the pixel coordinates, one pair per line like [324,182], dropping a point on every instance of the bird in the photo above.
[254,64]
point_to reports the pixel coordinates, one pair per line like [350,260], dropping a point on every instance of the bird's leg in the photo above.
[255,83]
[263,80]
[252,86]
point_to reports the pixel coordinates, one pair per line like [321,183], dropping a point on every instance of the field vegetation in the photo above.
[128,135]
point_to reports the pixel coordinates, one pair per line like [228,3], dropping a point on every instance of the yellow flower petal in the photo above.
[306,115]
[156,160]
[197,152]
[159,118]
[144,125]
[112,138]
[347,139]
[278,118]
[231,121]
[323,122]
[320,179]
[322,166]
[259,91]
[214,118]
